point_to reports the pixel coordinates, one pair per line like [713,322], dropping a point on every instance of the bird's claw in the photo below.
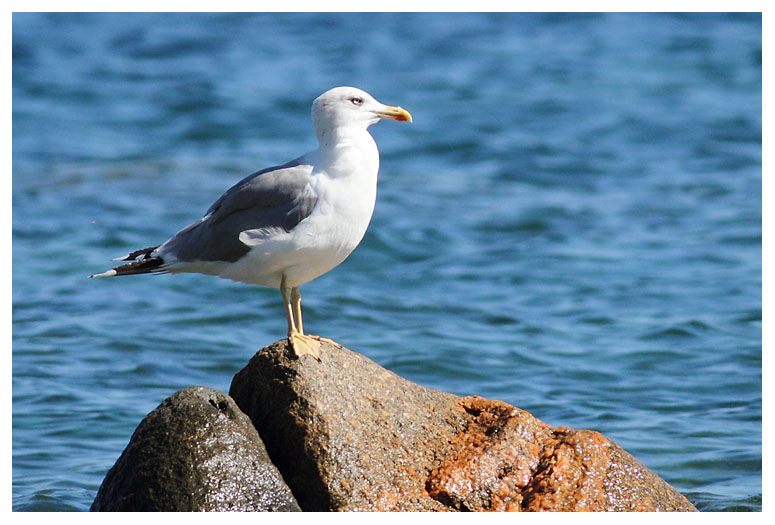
[326,340]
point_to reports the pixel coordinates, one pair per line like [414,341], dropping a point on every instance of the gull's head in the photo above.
[351,107]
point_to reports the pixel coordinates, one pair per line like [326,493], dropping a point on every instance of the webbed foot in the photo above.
[304,345]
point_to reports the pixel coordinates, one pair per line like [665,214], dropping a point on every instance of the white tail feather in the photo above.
[109,273]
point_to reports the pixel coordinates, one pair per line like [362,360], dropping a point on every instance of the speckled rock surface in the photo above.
[195,452]
[349,435]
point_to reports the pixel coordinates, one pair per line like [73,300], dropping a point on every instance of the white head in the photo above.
[348,107]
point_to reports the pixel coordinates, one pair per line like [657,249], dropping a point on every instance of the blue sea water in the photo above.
[572,224]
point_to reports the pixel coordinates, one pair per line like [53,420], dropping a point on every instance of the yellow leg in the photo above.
[296,298]
[301,344]
[287,305]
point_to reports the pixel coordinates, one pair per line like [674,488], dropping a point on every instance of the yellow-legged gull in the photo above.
[287,225]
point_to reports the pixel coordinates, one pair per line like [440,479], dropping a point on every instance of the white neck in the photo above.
[349,151]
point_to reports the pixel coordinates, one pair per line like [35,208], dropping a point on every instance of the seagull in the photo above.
[287,225]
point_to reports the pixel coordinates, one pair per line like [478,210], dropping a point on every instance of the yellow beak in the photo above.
[395,113]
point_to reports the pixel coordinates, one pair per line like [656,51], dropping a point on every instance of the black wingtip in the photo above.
[144,253]
[142,262]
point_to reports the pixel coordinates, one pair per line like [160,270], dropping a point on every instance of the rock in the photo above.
[349,435]
[195,452]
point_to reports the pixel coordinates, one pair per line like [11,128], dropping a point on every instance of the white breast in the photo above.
[346,193]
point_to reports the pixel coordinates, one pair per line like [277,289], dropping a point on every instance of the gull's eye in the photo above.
[357,101]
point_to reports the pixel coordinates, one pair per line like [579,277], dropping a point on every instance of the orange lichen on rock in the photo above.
[493,458]
[572,473]
[582,470]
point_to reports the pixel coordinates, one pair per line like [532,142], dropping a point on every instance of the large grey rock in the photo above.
[349,435]
[195,452]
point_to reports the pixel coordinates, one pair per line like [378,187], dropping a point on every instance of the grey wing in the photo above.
[274,199]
